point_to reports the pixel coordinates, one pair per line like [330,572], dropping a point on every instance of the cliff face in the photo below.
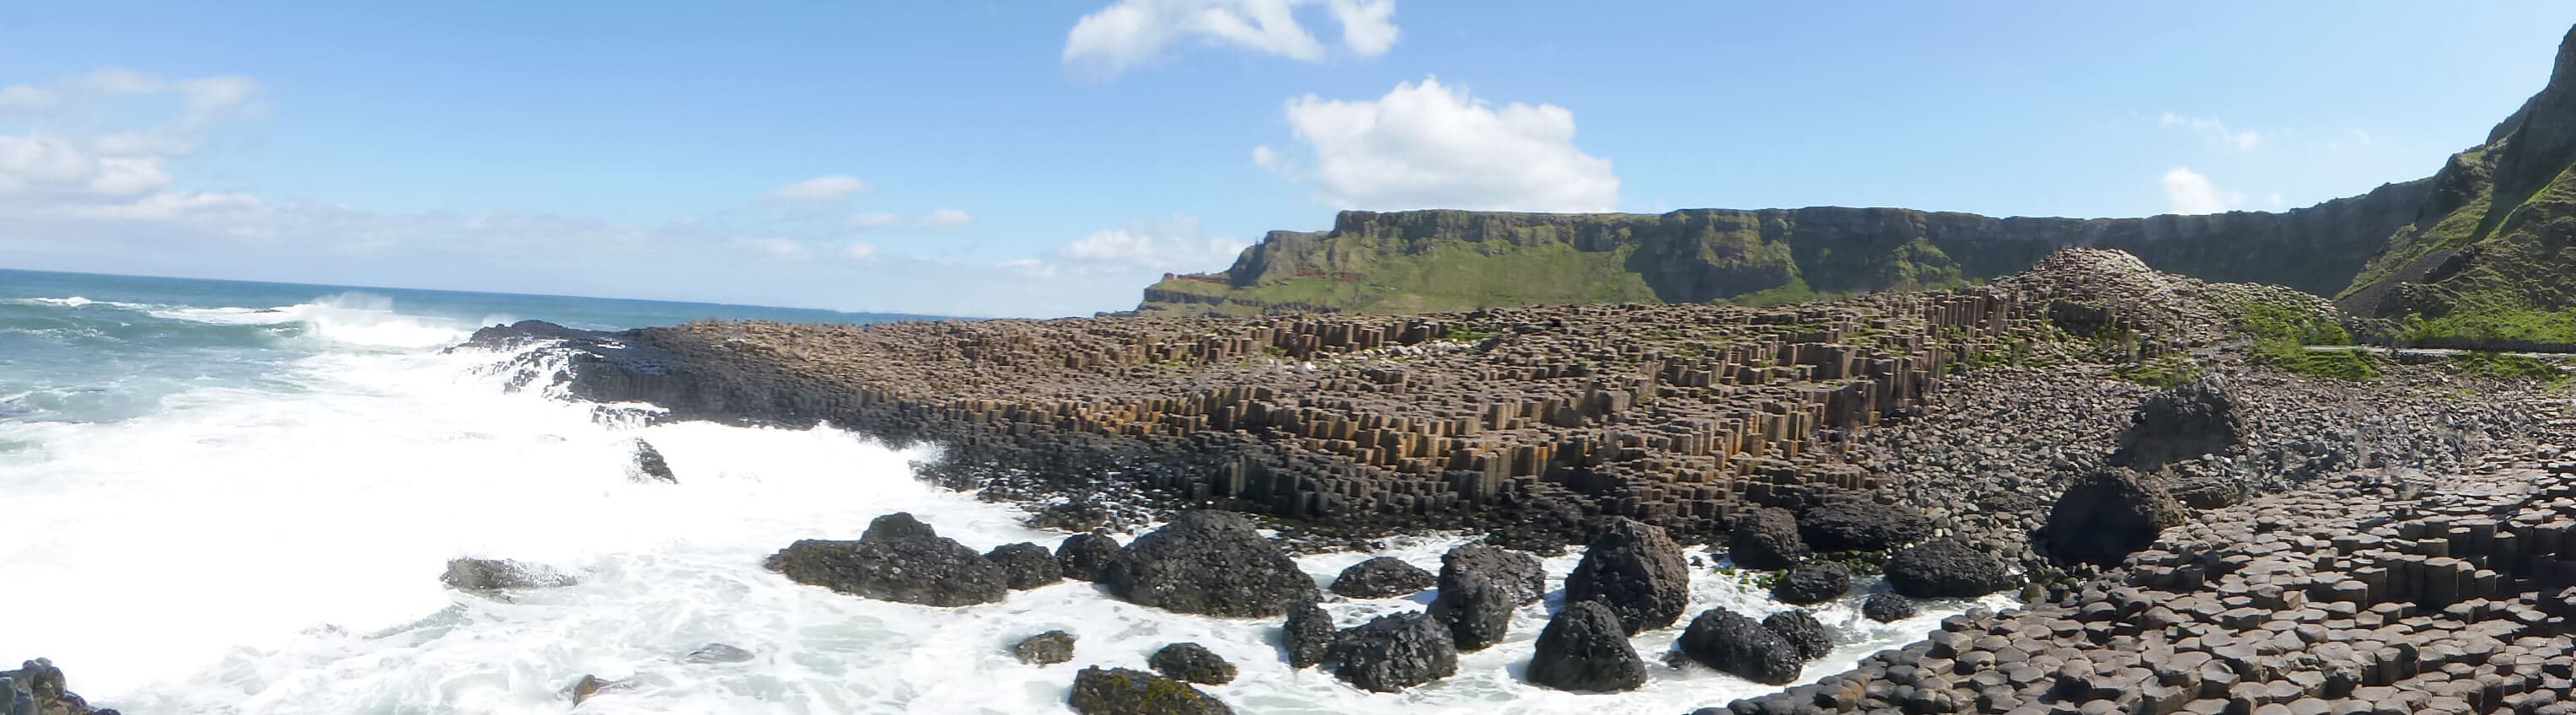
[1451,260]
[2476,252]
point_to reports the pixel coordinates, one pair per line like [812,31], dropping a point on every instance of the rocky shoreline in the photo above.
[1959,443]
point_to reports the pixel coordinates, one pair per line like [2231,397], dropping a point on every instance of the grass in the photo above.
[2507,366]
[2282,336]
[2165,371]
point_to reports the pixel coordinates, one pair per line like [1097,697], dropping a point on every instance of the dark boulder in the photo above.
[1636,570]
[1765,538]
[1477,613]
[1047,648]
[1946,568]
[935,571]
[1025,565]
[1394,652]
[1121,691]
[1851,523]
[718,653]
[1381,577]
[1191,662]
[1813,584]
[1887,608]
[2182,422]
[487,575]
[898,525]
[45,690]
[1737,645]
[1585,648]
[590,686]
[1308,634]
[1210,563]
[1086,557]
[1802,630]
[2108,515]
[646,464]
[1516,574]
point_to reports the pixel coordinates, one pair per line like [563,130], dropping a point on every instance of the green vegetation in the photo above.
[2163,371]
[1795,292]
[2282,336]
[2487,318]
[2508,366]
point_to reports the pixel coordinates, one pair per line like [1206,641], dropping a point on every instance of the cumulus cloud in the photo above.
[945,218]
[873,220]
[1426,145]
[171,205]
[1166,244]
[821,188]
[2187,192]
[1132,32]
[2217,131]
[19,96]
[859,251]
[778,248]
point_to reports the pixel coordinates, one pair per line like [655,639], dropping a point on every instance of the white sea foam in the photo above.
[256,552]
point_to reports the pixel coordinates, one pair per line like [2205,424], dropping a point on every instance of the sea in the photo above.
[232,497]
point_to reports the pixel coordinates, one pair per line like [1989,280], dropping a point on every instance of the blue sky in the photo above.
[1043,159]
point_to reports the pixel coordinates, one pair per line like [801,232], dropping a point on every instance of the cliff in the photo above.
[2475,254]
[1417,261]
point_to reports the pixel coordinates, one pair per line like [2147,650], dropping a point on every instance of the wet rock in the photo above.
[487,575]
[1086,557]
[1585,648]
[1766,538]
[1855,524]
[591,686]
[1211,563]
[1737,645]
[1946,568]
[40,689]
[1121,691]
[1477,613]
[646,464]
[1025,565]
[934,571]
[1308,634]
[718,653]
[1516,574]
[1191,662]
[1636,570]
[1801,629]
[1887,607]
[2108,515]
[1813,584]
[1381,577]
[2188,420]
[898,525]
[1394,652]
[1047,648]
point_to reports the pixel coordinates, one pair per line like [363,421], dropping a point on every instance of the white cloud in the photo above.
[2187,192]
[874,220]
[1172,244]
[19,96]
[778,248]
[821,188]
[2217,131]
[1132,32]
[945,218]
[126,175]
[1028,268]
[859,251]
[171,205]
[1431,146]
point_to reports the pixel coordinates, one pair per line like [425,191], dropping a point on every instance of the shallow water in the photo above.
[266,538]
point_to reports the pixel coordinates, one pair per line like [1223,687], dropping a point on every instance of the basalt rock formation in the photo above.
[1209,562]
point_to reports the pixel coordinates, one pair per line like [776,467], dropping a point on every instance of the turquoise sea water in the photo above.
[89,348]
